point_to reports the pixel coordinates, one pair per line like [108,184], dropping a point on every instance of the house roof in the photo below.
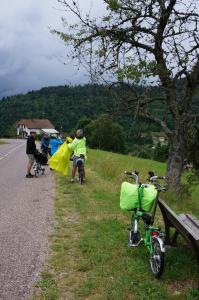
[36,123]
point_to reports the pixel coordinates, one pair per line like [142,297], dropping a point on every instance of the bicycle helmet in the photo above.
[80,133]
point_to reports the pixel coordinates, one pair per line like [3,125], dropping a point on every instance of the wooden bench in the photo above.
[185,224]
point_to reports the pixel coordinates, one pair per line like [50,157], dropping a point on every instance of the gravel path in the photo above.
[26,216]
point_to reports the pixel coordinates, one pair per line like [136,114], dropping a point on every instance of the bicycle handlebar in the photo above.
[133,174]
[154,178]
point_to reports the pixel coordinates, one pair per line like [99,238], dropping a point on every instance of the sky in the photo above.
[30,56]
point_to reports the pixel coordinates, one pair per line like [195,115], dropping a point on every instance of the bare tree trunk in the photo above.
[176,159]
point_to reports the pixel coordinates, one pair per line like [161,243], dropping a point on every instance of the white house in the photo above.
[25,126]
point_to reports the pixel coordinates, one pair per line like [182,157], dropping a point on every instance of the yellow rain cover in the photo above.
[60,160]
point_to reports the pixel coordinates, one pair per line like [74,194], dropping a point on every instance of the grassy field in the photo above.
[89,256]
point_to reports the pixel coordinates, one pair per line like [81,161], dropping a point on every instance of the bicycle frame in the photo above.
[150,231]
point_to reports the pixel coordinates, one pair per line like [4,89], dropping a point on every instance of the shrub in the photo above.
[161,152]
[105,134]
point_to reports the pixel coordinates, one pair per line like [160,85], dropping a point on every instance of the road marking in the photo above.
[9,152]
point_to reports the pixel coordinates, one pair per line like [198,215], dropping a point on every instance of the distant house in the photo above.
[25,126]
[159,137]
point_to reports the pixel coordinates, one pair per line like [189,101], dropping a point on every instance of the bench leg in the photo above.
[197,257]
[175,236]
[167,234]
[196,250]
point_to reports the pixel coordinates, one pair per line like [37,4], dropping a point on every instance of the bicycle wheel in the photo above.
[81,179]
[156,260]
[134,234]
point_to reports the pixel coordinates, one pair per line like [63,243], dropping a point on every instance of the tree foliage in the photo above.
[63,105]
[105,134]
[142,41]
[69,108]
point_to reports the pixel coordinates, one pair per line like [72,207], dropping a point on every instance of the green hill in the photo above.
[90,258]
[65,106]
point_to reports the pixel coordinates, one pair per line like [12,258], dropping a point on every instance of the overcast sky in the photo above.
[29,54]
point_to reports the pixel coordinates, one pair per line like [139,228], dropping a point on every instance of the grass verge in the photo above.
[89,255]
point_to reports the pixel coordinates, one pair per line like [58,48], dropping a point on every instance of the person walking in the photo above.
[30,151]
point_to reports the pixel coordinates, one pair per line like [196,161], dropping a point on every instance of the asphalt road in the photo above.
[26,216]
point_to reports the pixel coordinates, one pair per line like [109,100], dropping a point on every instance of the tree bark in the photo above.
[176,158]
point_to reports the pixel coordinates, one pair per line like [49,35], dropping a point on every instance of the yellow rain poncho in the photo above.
[60,160]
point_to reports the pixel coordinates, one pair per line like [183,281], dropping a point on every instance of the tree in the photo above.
[145,41]
[104,134]
[83,123]
[193,146]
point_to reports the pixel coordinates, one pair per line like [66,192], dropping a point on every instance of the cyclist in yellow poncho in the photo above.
[60,160]
[78,147]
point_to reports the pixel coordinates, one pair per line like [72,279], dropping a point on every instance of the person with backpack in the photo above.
[78,147]
[30,151]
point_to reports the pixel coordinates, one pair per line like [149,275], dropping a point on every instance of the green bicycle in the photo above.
[153,235]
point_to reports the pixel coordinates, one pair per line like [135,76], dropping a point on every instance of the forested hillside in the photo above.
[65,106]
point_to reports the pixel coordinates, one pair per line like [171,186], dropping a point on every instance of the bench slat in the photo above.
[191,225]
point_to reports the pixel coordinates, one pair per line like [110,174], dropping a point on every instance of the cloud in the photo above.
[30,56]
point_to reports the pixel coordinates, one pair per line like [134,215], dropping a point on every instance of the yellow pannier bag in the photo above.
[149,194]
[60,160]
[128,196]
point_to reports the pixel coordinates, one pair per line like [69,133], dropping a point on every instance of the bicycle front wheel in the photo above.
[156,261]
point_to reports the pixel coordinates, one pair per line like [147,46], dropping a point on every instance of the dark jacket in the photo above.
[31,146]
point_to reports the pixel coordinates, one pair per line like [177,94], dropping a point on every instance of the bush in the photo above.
[161,152]
[104,134]
[143,151]
[144,154]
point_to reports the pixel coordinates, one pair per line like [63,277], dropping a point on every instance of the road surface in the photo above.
[26,216]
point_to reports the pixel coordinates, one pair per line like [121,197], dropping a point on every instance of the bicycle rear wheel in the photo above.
[156,260]
[81,179]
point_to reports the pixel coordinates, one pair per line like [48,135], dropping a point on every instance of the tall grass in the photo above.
[90,259]
[111,167]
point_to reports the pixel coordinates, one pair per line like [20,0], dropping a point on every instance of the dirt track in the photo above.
[26,216]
